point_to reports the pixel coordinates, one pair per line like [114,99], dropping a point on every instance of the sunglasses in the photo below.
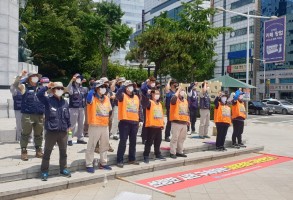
[102,86]
[59,88]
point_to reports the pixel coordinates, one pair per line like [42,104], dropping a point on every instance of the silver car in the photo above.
[281,106]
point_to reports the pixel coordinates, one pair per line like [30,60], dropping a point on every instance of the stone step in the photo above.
[32,170]
[29,187]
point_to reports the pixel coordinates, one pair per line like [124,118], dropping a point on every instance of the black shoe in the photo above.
[161,158]
[181,155]
[81,142]
[201,137]
[242,145]
[115,137]
[120,165]
[134,162]
[69,143]
[146,159]
[173,156]
[167,139]
[218,148]
[206,136]
[86,135]
[236,146]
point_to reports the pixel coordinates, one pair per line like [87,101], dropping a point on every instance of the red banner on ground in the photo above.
[182,180]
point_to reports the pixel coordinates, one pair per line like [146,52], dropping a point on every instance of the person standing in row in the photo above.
[238,118]
[179,117]
[98,110]
[130,117]
[170,90]
[32,113]
[57,125]
[192,99]
[222,118]
[154,123]
[205,106]
[77,95]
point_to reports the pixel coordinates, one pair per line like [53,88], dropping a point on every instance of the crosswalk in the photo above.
[272,121]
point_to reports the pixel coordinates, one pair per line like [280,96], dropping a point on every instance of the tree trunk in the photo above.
[157,67]
[105,62]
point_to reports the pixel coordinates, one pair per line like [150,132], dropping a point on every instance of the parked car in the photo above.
[281,106]
[266,100]
[259,108]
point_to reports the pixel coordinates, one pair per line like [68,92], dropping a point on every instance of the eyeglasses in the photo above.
[59,88]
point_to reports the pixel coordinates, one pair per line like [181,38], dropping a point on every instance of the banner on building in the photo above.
[238,68]
[274,40]
[186,179]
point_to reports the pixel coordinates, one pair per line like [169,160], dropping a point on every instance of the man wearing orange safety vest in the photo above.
[154,123]
[179,117]
[98,112]
[130,117]
[238,117]
[222,118]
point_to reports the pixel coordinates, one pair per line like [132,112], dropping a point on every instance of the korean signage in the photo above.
[186,179]
[238,68]
[274,40]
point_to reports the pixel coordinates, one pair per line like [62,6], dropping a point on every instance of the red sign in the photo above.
[182,180]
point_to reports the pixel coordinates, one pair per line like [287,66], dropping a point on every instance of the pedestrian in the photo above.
[154,123]
[98,109]
[179,117]
[130,117]
[77,95]
[32,113]
[192,98]
[170,90]
[115,85]
[146,87]
[205,106]
[238,118]
[17,99]
[57,125]
[222,118]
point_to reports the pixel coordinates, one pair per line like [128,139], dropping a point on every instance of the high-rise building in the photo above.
[280,74]
[132,16]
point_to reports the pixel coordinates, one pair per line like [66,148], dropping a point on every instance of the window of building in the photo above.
[237,61]
[241,3]
[239,18]
[286,80]
[242,31]
[241,46]
[273,80]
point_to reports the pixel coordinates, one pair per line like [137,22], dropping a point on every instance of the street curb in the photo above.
[29,187]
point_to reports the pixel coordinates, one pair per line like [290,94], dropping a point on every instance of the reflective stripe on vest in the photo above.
[223,114]
[238,110]
[179,111]
[154,115]
[128,109]
[98,112]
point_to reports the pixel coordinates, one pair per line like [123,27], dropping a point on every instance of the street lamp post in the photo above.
[248,16]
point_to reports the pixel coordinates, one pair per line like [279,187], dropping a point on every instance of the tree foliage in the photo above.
[182,48]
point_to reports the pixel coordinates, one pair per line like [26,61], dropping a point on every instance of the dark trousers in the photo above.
[192,115]
[127,129]
[50,140]
[143,130]
[238,126]
[168,125]
[154,135]
[222,129]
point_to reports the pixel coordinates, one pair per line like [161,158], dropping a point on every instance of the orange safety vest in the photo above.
[238,110]
[179,111]
[98,112]
[223,114]
[128,109]
[154,115]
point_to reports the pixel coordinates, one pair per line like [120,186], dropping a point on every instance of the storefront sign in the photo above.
[280,87]
[238,68]
[274,40]
[182,180]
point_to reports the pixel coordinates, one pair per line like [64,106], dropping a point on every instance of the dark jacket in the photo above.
[192,98]
[57,117]
[204,101]
[77,95]
[30,103]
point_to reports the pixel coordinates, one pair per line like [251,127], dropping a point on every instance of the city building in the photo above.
[231,47]
[280,75]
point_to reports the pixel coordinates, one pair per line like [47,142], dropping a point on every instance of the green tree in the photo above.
[113,34]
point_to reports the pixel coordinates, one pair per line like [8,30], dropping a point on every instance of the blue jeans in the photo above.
[127,129]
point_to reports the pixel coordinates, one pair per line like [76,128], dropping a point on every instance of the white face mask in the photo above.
[59,93]
[240,97]
[223,99]
[45,84]
[130,88]
[157,96]
[153,84]
[102,90]
[78,80]
[182,93]
[35,79]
